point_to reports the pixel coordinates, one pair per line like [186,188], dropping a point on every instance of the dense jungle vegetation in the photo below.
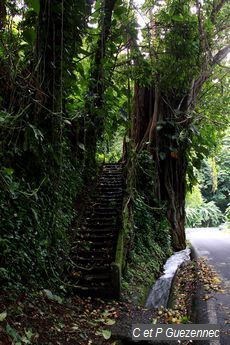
[81,84]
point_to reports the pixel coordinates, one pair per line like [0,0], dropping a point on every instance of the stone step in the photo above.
[98,290]
[110,205]
[103,251]
[94,247]
[110,199]
[95,238]
[101,193]
[93,269]
[101,217]
[102,225]
[114,173]
[113,182]
[85,259]
[99,277]
[109,192]
[109,181]
[97,230]
[103,222]
[89,242]
[99,212]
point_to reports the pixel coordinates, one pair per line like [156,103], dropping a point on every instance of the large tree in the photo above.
[95,99]
[60,27]
[185,44]
[39,46]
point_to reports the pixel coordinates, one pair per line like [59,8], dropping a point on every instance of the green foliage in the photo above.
[149,216]
[115,109]
[174,46]
[207,214]
[211,121]
[34,4]
[110,149]
[199,212]
[219,194]
[40,175]
[151,230]
[194,199]
[34,223]
[151,248]
[43,144]
[209,199]
[227,213]
[16,338]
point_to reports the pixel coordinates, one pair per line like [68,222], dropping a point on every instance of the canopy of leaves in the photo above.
[48,94]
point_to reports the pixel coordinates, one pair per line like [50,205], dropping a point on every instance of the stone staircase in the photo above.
[94,251]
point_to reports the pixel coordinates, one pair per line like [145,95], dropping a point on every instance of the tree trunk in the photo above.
[155,128]
[2,14]
[49,59]
[172,171]
[94,105]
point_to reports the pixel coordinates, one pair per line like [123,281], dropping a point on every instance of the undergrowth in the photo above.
[36,214]
[151,234]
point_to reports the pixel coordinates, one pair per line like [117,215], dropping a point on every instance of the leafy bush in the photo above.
[227,213]
[217,169]
[149,216]
[35,218]
[194,198]
[151,248]
[207,214]
[151,230]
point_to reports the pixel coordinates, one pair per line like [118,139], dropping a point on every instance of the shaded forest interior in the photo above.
[79,90]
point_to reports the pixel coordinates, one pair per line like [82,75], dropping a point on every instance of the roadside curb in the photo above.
[194,253]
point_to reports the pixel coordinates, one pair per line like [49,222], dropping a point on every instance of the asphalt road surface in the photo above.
[215,246]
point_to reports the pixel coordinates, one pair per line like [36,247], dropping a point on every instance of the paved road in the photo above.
[215,246]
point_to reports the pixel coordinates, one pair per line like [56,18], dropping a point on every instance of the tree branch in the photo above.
[198,83]
[220,55]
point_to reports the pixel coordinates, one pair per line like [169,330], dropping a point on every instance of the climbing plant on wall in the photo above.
[39,175]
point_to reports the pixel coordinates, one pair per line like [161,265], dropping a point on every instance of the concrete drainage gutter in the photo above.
[160,292]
